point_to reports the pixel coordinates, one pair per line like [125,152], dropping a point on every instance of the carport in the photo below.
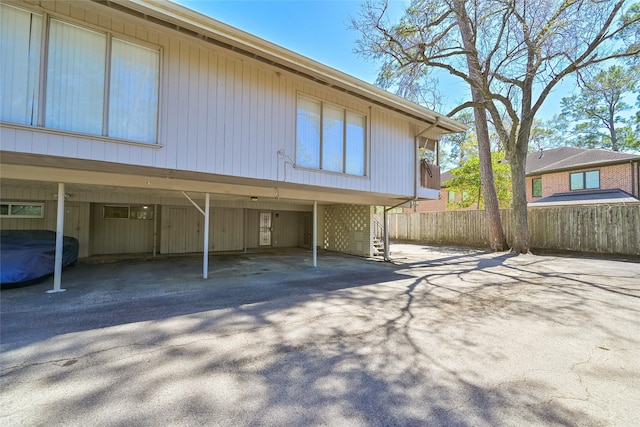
[81,210]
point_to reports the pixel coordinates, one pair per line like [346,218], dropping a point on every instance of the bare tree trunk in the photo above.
[612,131]
[497,240]
[520,216]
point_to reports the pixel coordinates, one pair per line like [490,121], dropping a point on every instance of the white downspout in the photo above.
[57,272]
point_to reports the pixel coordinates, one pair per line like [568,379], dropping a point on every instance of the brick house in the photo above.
[579,176]
[566,175]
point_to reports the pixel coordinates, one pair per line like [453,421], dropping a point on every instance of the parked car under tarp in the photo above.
[28,256]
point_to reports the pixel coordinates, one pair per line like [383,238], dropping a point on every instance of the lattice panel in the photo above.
[348,229]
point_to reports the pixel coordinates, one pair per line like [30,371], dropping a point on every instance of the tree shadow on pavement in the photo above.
[450,339]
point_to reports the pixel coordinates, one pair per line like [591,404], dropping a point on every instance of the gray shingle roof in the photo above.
[586,197]
[566,158]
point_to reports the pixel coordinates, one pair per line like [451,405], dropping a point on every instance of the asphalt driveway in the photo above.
[442,337]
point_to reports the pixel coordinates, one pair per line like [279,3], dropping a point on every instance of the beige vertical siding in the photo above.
[119,236]
[76,221]
[286,225]
[226,229]
[226,114]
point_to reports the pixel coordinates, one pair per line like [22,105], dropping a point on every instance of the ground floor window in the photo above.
[22,210]
[537,187]
[128,212]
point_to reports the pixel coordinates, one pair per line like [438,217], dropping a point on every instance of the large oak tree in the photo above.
[511,53]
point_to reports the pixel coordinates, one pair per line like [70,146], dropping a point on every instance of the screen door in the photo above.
[265,228]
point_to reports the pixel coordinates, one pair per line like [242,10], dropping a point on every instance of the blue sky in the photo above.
[319,29]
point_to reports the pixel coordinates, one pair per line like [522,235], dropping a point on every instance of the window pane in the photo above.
[75,79]
[26,210]
[577,181]
[333,139]
[4,210]
[451,196]
[133,95]
[20,35]
[141,212]
[116,212]
[537,187]
[355,144]
[308,134]
[592,179]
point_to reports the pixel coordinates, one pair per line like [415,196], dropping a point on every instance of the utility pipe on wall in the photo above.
[57,271]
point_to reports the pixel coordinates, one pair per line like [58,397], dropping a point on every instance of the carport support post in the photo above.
[57,271]
[315,233]
[386,235]
[205,261]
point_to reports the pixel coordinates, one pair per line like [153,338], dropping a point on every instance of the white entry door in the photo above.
[265,228]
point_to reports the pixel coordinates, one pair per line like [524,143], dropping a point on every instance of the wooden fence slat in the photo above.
[603,229]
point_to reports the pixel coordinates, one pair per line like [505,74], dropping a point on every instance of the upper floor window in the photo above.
[94,83]
[451,196]
[584,180]
[536,183]
[330,138]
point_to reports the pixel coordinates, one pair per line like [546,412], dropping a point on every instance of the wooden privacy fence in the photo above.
[601,229]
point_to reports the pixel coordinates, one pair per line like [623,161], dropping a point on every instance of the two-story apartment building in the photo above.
[144,127]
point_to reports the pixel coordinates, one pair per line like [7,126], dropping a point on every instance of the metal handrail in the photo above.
[378,229]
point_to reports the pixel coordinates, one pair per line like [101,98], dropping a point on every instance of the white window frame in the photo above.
[11,204]
[46,18]
[345,113]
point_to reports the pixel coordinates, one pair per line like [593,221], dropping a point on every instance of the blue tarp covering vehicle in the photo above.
[28,256]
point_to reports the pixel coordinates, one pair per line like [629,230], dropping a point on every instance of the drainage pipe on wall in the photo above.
[386,227]
[57,270]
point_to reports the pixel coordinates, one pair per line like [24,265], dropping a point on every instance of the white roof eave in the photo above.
[191,20]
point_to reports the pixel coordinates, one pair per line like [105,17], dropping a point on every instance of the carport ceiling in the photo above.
[50,190]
